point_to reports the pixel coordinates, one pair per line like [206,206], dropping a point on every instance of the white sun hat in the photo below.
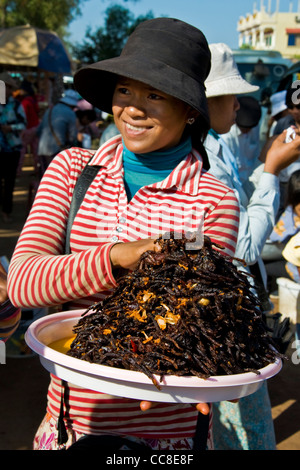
[224,77]
[278,103]
[291,252]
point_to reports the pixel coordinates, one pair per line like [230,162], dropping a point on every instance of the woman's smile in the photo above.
[132,129]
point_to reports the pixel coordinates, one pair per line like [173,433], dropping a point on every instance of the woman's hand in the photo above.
[281,154]
[203,408]
[127,255]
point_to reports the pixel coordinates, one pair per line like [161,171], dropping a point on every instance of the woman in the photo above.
[151,180]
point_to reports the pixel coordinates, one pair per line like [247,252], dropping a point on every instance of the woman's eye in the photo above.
[123,90]
[154,96]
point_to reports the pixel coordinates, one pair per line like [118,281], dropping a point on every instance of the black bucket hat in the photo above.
[165,53]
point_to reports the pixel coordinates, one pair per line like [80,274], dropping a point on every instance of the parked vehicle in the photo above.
[263,68]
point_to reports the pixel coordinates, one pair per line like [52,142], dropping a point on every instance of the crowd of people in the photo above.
[39,132]
[185,132]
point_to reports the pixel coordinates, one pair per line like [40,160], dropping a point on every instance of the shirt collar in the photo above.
[185,176]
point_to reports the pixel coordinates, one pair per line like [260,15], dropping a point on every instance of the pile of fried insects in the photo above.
[181,312]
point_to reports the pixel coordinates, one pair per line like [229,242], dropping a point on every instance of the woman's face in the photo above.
[222,112]
[148,119]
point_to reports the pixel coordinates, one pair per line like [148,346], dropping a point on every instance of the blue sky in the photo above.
[217,19]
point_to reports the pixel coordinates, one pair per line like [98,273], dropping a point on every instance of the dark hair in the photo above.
[199,132]
[89,113]
[27,87]
[293,189]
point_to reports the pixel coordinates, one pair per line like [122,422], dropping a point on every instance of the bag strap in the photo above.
[83,183]
[201,435]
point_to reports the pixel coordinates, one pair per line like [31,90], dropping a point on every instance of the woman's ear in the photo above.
[192,116]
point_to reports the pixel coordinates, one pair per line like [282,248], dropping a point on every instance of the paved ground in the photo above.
[24,382]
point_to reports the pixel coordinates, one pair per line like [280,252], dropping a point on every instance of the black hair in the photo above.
[198,132]
[89,113]
[293,189]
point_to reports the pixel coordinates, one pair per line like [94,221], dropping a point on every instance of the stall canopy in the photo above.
[32,47]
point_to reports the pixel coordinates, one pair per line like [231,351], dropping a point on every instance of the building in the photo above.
[271,30]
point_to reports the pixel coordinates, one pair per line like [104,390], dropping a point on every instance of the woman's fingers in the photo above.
[203,408]
[127,255]
[145,405]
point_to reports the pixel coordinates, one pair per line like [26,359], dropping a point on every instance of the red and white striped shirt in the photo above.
[189,199]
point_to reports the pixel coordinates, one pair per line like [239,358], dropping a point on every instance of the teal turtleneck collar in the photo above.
[145,169]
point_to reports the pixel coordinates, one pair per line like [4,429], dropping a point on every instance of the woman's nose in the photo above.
[136,111]
[136,107]
[236,104]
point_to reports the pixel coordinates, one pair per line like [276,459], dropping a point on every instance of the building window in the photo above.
[294,40]
[268,35]
[268,40]
[291,39]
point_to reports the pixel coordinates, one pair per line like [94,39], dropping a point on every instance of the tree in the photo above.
[108,41]
[54,15]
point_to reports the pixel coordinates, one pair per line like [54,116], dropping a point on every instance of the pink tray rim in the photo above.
[32,339]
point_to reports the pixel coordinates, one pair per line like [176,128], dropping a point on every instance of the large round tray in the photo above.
[131,384]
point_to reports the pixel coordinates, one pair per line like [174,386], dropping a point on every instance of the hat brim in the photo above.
[96,82]
[234,85]
[68,102]
[278,110]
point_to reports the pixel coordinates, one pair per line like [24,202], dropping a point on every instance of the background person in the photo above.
[58,129]
[26,95]
[291,254]
[243,137]
[12,123]
[248,424]
[286,227]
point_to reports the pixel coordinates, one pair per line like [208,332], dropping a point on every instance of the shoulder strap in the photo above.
[84,181]
[201,435]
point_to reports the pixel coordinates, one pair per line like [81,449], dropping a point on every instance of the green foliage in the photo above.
[108,41]
[54,15]
[246,46]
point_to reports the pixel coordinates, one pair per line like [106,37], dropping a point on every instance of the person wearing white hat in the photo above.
[291,254]
[278,110]
[278,104]
[248,424]
[58,128]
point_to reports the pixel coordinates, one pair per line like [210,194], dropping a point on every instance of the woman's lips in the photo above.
[131,129]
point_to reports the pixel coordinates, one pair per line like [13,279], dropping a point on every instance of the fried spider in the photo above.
[181,312]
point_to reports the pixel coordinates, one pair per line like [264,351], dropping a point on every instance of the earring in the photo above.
[191,121]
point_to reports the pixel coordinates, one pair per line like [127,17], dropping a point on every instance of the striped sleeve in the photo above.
[38,275]
[222,219]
